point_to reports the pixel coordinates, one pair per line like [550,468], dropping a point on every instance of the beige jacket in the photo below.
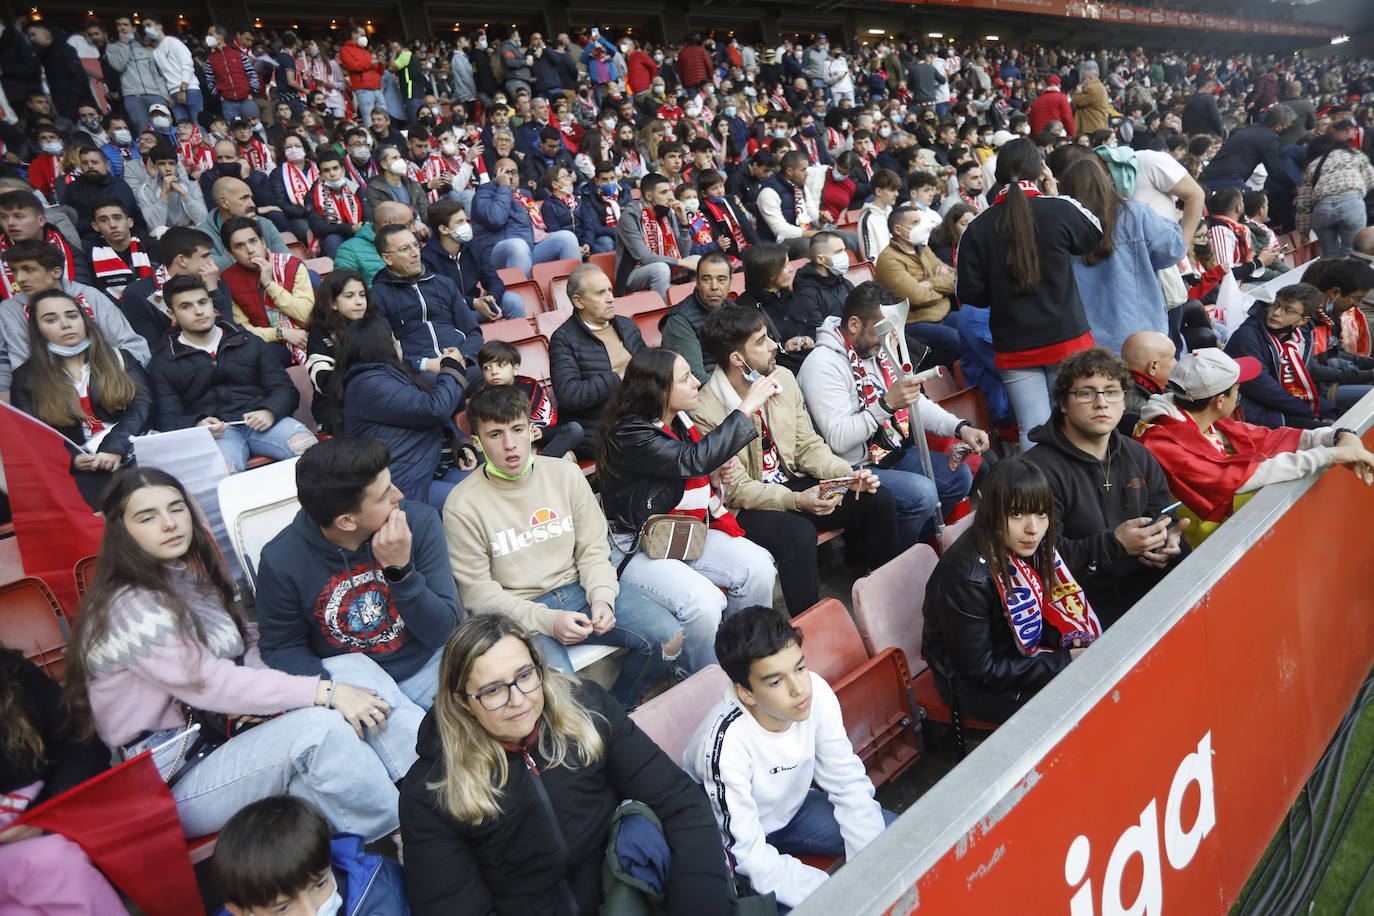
[921,279]
[802,452]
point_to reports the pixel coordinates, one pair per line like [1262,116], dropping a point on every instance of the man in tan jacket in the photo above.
[910,269]
[1091,110]
[776,492]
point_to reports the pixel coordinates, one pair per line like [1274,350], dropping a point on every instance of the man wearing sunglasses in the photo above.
[1108,489]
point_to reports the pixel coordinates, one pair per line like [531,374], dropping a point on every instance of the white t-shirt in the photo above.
[1156,173]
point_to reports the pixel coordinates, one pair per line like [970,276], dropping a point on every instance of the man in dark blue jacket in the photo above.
[503,228]
[428,315]
[448,254]
[598,209]
[1247,148]
[360,569]
[546,154]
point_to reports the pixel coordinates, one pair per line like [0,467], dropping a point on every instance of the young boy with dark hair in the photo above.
[280,856]
[500,365]
[777,730]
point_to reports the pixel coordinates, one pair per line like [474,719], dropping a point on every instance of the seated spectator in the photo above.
[652,244]
[117,256]
[1109,491]
[359,252]
[335,212]
[682,325]
[162,631]
[790,213]
[776,494]
[476,808]
[46,170]
[559,206]
[171,199]
[427,313]
[1004,614]
[500,365]
[768,289]
[280,855]
[1214,463]
[185,252]
[393,183]
[1344,284]
[233,198]
[599,208]
[527,540]
[1149,357]
[1297,385]
[252,150]
[342,300]
[272,292]
[230,162]
[215,374]
[869,415]
[97,397]
[698,228]
[651,459]
[1232,246]
[119,147]
[384,133]
[745,183]
[731,228]
[819,289]
[873,233]
[37,267]
[548,153]
[778,730]
[23,219]
[449,254]
[44,754]
[358,163]
[588,353]
[944,238]
[291,183]
[911,269]
[505,231]
[361,570]
[95,185]
[922,188]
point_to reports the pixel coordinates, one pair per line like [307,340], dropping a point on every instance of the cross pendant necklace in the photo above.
[1107,473]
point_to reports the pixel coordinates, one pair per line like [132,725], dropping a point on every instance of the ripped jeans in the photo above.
[641,626]
[239,443]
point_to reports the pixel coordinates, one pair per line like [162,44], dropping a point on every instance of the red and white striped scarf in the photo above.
[631,164]
[256,154]
[734,243]
[532,208]
[657,236]
[895,429]
[337,208]
[359,176]
[569,201]
[52,237]
[1027,610]
[109,266]
[699,496]
[1027,187]
[610,207]
[298,181]
[1293,374]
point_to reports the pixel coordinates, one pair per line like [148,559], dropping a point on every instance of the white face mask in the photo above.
[463,232]
[335,184]
[918,234]
[397,167]
[295,154]
[162,123]
[332,905]
[52,148]
[153,32]
[658,58]
[362,41]
[360,151]
[211,41]
[690,204]
[449,148]
[608,124]
[780,133]
[839,263]
[884,132]
[693,111]
[122,136]
[481,44]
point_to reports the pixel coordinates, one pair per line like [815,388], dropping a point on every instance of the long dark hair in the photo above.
[1087,182]
[642,393]
[1019,160]
[21,743]
[369,340]
[323,317]
[1014,485]
[762,264]
[123,565]
[54,399]
[944,234]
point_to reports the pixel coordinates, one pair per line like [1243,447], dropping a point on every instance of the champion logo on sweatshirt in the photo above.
[545,524]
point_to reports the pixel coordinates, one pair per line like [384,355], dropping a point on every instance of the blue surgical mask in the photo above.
[611,190]
[729,111]
[60,350]
[750,374]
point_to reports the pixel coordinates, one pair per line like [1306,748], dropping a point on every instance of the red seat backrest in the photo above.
[534,358]
[647,322]
[888,604]
[548,322]
[646,300]
[832,643]
[511,330]
[671,717]
[605,260]
[29,623]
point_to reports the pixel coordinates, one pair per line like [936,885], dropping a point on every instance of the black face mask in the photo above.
[627,144]
[228,169]
[662,212]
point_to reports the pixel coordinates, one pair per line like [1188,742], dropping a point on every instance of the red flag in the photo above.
[52,522]
[126,820]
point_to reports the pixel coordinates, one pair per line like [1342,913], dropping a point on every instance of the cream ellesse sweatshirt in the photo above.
[510,541]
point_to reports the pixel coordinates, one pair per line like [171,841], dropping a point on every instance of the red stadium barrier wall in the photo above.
[1152,777]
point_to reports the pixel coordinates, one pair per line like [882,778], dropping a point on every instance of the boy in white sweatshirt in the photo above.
[777,730]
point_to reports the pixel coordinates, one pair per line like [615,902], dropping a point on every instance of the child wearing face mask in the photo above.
[280,856]
[698,227]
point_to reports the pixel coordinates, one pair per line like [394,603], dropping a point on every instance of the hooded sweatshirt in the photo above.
[317,600]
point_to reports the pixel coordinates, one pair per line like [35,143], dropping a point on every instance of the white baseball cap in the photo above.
[1209,372]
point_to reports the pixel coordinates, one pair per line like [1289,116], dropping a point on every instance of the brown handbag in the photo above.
[673,537]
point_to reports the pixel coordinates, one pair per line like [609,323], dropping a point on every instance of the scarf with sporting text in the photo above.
[658,234]
[52,237]
[298,181]
[337,208]
[893,433]
[728,232]
[1028,609]
[1293,373]
[113,270]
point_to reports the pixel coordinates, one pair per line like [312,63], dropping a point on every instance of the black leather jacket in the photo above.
[967,635]
[646,469]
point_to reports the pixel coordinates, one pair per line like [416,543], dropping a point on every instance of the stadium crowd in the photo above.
[221,223]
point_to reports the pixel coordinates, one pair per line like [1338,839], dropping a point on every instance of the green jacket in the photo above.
[360,253]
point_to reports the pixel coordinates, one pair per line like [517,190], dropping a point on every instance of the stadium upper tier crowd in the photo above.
[221,222]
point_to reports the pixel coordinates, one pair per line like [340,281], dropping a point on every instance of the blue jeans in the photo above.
[691,589]
[556,246]
[918,498]
[942,337]
[813,830]
[330,244]
[1348,395]
[312,753]
[243,108]
[441,487]
[640,626]
[137,108]
[602,244]
[1335,220]
[191,108]
[1028,389]
[512,306]
[365,100]
[424,683]
[239,443]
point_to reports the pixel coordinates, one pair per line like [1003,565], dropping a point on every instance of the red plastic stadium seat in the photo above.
[833,645]
[548,322]
[294,245]
[301,379]
[30,623]
[646,300]
[529,293]
[605,260]
[671,717]
[678,292]
[534,359]
[320,265]
[511,330]
[558,294]
[647,322]
[860,272]
[543,274]
[83,572]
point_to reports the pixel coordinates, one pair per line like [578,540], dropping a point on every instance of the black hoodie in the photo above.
[1088,513]
[316,600]
[817,294]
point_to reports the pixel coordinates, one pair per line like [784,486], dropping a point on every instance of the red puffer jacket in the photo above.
[363,72]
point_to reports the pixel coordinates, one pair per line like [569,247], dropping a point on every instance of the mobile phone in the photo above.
[1164,513]
[835,486]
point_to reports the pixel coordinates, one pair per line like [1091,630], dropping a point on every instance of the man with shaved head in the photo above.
[1149,355]
[233,198]
[360,252]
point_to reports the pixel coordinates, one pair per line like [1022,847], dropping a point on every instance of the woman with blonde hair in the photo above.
[509,808]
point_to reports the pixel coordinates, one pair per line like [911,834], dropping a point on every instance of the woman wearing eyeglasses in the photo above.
[521,768]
